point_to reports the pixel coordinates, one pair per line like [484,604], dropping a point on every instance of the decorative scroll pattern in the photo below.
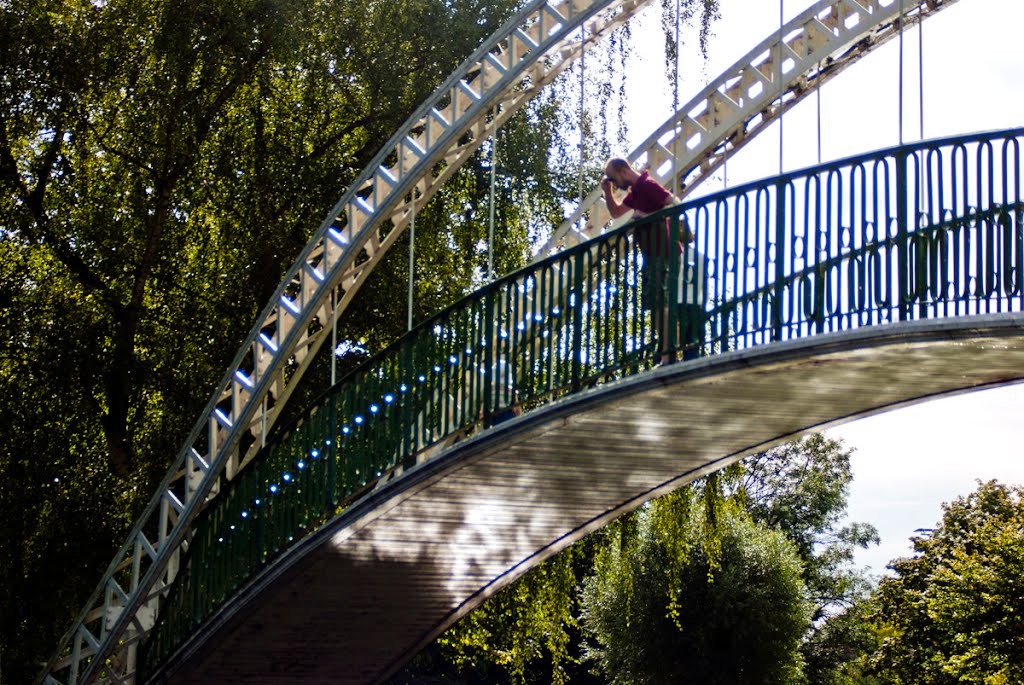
[928,230]
[489,87]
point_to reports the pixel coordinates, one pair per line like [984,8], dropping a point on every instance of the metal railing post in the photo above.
[490,363]
[780,259]
[902,249]
[576,264]
[672,289]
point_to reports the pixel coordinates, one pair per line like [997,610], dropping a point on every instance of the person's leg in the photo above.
[691,322]
[666,346]
[658,302]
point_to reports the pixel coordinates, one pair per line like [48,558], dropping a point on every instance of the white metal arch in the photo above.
[701,135]
[502,75]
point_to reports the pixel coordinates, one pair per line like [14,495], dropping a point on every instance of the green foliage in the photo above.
[523,625]
[737,620]
[954,612]
[677,15]
[801,488]
[527,633]
[161,164]
[838,650]
[666,577]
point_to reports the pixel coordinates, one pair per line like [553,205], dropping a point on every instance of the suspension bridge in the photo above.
[334,547]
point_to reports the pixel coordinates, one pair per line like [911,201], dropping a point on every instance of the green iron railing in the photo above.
[921,231]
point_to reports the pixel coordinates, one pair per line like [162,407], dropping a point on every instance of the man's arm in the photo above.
[616,209]
[685,234]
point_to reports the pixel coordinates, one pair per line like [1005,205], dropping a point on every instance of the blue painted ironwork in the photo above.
[920,231]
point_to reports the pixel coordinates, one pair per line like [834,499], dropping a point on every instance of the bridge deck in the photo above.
[527,52]
[360,597]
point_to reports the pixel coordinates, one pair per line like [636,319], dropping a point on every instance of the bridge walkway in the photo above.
[829,293]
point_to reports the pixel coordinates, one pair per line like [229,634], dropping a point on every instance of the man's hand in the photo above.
[614,208]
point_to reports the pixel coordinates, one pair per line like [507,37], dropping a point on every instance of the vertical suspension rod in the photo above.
[921,205]
[676,180]
[900,109]
[583,101]
[334,336]
[818,96]
[778,68]
[412,258]
[920,74]
[490,220]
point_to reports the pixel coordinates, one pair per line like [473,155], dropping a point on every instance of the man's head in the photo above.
[620,172]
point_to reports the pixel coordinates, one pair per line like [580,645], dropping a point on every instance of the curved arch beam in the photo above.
[786,67]
[427,548]
[528,52]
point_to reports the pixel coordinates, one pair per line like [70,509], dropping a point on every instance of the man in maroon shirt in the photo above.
[647,196]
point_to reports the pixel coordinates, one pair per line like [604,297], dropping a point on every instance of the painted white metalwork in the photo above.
[527,53]
[502,75]
[700,136]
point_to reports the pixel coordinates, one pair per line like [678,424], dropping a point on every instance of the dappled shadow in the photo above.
[355,601]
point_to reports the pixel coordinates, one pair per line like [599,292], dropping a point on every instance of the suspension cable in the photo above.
[779,72]
[900,109]
[490,222]
[412,256]
[583,100]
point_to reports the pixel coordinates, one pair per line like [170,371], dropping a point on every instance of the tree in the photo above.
[527,633]
[954,612]
[798,489]
[734,611]
[161,164]
[838,650]
[801,488]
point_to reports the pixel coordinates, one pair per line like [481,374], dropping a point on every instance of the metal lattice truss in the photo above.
[502,75]
[527,53]
[756,91]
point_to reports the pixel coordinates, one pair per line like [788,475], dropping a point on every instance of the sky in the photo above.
[906,462]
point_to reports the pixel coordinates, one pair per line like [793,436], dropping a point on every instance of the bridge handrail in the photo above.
[504,72]
[561,328]
[499,78]
[748,97]
[925,232]
[893,151]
